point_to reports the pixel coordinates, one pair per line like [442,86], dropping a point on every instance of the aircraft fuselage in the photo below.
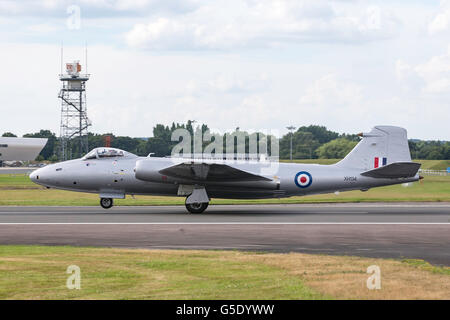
[118,177]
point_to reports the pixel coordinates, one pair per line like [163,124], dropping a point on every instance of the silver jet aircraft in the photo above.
[381,158]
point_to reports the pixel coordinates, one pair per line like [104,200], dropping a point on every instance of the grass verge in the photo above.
[422,264]
[39,272]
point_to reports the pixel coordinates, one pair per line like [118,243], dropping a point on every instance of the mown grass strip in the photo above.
[39,272]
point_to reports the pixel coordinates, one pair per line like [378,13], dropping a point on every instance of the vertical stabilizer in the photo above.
[383,145]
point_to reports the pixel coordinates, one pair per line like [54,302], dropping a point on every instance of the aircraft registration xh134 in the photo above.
[381,158]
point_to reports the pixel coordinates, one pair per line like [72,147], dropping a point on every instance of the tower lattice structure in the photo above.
[74,120]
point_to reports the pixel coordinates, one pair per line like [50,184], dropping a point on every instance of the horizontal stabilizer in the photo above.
[394,170]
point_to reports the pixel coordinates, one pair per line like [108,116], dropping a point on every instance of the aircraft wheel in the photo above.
[106,203]
[197,207]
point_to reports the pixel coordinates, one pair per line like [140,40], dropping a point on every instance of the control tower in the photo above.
[74,119]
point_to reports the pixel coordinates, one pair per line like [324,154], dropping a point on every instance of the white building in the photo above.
[20,149]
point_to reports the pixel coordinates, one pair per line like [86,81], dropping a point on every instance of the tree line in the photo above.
[308,142]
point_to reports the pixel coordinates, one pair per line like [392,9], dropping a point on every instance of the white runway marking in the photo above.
[88,212]
[225,223]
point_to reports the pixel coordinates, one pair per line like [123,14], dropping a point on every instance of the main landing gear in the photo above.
[106,203]
[197,207]
[198,200]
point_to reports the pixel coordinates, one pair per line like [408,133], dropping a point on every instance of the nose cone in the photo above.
[35,175]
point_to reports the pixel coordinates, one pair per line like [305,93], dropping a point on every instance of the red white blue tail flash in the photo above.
[379,162]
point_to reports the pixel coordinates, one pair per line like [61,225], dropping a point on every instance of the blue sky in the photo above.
[263,64]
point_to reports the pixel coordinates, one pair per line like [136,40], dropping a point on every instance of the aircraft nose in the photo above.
[35,175]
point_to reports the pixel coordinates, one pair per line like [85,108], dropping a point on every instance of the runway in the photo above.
[411,230]
[288,213]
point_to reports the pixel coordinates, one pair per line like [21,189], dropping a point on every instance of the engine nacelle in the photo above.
[149,171]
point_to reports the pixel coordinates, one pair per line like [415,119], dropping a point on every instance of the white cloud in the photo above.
[339,104]
[95,8]
[441,21]
[331,90]
[43,28]
[403,70]
[411,82]
[434,74]
[236,83]
[255,110]
[232,24]
[226,83]
[250,112]
[346,106]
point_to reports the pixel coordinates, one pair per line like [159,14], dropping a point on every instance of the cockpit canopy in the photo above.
[103,152]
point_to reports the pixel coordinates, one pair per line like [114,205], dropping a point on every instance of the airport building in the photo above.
[20,149]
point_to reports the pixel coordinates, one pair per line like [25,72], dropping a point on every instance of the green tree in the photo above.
[306,140]
[336,149]
[9,134]
[51,147]
[53,158]
[320,133]
[304,145]
[158,146]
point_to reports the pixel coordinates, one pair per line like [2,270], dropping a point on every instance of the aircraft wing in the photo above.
[394,170]
[210,172]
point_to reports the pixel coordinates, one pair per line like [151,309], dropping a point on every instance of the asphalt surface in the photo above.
[17,170]
[290,213]
[412,230]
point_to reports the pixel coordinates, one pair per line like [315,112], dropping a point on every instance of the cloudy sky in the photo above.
[255,64]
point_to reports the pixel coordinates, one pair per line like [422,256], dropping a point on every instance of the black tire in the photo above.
[106,203]
[197,207]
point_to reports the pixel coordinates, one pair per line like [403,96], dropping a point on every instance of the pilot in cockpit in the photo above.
[104,152]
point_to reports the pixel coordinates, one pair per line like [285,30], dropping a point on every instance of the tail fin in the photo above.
[383,145]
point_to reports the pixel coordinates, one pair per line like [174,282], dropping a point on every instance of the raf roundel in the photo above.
[303,179]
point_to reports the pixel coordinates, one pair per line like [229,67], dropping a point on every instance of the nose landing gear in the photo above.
[106,203]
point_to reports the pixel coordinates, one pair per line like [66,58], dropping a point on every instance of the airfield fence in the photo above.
[434,172]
